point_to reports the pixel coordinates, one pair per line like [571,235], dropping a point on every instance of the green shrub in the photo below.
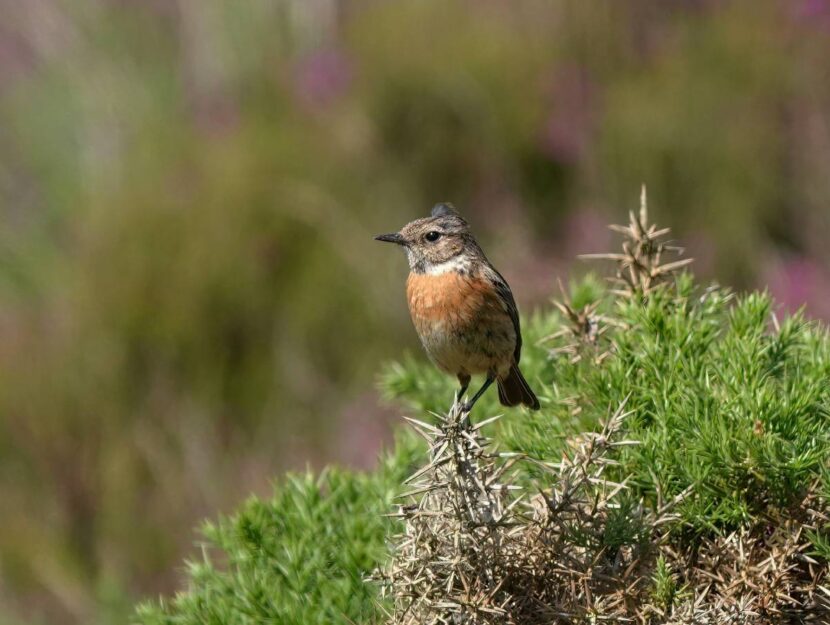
[722,400]
[297,558]
[730,407]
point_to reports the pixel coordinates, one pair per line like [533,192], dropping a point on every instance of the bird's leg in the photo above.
[468,406]
[464,380]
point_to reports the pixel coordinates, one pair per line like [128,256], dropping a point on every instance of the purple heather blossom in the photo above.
[798,282]
[811,8]
[805,10]
[322,76]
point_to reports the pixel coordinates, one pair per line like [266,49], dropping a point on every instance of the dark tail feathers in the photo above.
[514,390]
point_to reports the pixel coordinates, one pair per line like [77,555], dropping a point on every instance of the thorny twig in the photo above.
[640,266]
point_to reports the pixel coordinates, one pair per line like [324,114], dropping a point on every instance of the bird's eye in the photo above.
[432,236]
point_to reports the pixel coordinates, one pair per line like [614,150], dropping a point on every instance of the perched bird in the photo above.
[461,306]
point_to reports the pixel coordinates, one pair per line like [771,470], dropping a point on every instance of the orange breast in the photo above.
[449,299]
[462,322]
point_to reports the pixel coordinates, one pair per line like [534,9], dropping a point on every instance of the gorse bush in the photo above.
[297,558]
[724,398]
[188,189]
[722,476]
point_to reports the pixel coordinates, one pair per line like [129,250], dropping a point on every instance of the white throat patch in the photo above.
[459,263]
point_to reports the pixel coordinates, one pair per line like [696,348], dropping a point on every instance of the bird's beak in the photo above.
[393,237]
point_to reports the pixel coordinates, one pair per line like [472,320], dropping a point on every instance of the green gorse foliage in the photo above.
[724,399]
[730,407]
[665,585]
[297,558]
[186,281]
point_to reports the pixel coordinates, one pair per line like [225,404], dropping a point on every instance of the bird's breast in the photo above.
[447,299]
[460,319]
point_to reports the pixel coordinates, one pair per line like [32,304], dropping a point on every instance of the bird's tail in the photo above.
[514,390]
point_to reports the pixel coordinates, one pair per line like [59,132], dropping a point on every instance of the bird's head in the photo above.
[436,243]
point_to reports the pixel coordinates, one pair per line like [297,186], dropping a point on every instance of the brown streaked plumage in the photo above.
[462,308]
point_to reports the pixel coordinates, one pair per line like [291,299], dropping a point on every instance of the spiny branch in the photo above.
[640,266]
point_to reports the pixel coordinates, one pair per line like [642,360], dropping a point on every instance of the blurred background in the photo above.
[190,298]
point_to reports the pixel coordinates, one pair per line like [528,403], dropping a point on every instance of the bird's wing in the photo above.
[506,295]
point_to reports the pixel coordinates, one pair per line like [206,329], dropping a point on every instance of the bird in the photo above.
[462,308]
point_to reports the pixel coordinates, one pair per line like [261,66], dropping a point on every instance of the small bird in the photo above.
[461,306]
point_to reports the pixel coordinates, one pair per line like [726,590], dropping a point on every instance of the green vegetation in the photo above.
[730,407]
[190,301]
[297,558]
[723,399]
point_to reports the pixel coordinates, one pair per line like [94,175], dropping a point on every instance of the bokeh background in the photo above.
[190,298]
